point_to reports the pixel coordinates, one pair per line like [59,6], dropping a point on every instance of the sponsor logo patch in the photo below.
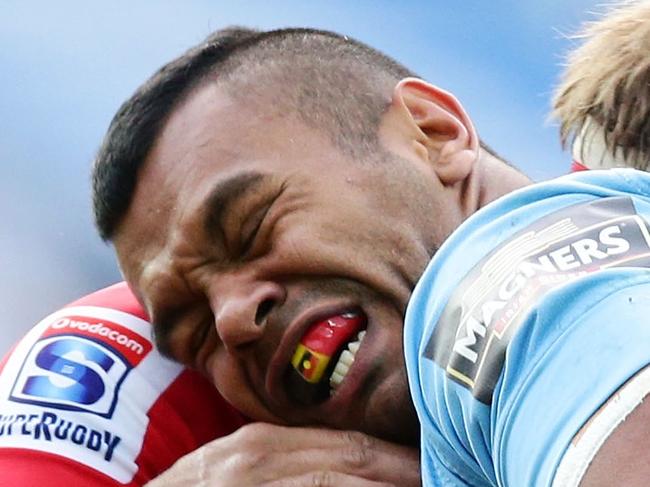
[78,364]
[49,427]
[493,300]
[80,385]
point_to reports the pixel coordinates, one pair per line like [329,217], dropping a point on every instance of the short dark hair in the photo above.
[332,82]
[300,60]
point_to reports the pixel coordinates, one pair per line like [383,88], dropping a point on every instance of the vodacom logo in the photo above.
[102,330]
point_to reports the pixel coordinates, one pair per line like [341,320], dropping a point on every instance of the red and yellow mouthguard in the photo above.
[321,342]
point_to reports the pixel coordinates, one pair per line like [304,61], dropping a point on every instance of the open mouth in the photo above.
[324,357]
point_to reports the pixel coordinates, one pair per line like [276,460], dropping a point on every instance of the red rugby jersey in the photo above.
[85,399]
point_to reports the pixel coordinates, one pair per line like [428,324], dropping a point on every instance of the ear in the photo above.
[443,132]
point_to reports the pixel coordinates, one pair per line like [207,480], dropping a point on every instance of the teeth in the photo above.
[336,378]
[345,361]
[347,357]
[341,369]
[350,315]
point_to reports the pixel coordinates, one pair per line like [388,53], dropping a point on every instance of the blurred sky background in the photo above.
[66,66]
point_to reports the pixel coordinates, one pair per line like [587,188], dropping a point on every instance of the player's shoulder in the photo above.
[535,263]
[79,384]
[87,386]
[508,270]
[118,297]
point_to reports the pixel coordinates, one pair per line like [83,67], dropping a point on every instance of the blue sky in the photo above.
[66,66]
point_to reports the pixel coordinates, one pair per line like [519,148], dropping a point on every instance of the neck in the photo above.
[495,178]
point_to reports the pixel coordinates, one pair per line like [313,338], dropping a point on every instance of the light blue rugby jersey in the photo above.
[527,319]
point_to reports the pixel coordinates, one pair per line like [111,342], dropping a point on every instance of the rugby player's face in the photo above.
[249,234]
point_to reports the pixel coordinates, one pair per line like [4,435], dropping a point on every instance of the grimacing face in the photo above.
[247,231]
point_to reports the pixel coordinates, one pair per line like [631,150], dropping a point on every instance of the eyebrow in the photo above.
[223,195]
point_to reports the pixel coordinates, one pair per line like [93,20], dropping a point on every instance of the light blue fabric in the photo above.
[577,329]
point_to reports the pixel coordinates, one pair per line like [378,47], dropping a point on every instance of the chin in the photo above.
[391,414]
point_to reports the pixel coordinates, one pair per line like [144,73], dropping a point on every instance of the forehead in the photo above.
[212,132]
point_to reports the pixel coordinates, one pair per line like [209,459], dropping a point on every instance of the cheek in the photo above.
[377,253]
[232,383]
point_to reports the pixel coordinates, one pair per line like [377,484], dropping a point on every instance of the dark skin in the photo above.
[246,228]
[314,235]
[270,455]
[623,457]
[306,232]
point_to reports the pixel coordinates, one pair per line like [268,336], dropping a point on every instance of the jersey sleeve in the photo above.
[527,321]
[441,467]
[85,399]
[595,341]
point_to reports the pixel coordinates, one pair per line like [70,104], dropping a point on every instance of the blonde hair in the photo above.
[607,80]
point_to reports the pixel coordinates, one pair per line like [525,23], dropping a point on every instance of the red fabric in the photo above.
[118,296]
[188,414]
[193,414]
[578,166]
[31,468]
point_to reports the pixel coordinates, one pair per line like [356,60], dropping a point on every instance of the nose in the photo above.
[241,306]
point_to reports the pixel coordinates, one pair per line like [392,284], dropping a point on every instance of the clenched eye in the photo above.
[250,229]
[202,343]
[181,331]
[198,339]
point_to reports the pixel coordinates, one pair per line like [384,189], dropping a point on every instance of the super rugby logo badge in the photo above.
[79,364]
[81,385]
